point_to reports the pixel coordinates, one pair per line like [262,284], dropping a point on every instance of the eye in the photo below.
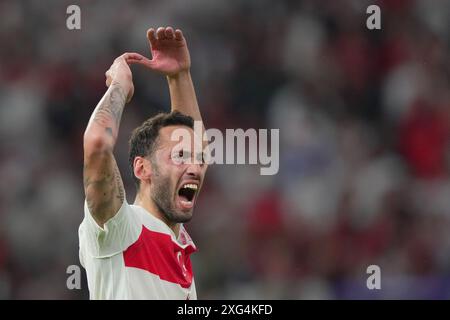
[181,156]
[177,156]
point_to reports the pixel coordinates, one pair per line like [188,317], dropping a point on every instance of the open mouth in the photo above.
[187,194]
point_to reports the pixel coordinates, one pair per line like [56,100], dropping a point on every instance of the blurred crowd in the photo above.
[364,119]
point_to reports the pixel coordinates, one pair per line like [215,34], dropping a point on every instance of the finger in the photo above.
[178,34]
[131,55]
[127,57]
[151,36]
[144,61]
[160,34]
[169,33]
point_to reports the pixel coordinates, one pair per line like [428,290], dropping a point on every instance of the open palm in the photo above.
[170,54]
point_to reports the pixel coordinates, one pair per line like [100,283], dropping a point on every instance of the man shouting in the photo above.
[142,250]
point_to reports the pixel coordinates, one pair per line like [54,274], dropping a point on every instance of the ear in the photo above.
[142,169]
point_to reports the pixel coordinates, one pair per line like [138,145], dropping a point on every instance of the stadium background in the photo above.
[364,141]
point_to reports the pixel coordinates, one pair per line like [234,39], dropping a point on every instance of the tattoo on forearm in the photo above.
[102,182]
[109,131]
[119,185]
[109,112]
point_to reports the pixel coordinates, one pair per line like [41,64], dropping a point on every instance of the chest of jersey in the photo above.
[157,254]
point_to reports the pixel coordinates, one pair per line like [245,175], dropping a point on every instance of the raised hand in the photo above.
[120,73]
[170,54]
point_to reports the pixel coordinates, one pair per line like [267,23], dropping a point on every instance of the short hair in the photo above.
[144,138]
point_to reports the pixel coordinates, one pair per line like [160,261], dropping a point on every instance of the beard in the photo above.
[163,196]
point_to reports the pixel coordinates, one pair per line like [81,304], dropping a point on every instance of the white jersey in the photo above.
[136,256]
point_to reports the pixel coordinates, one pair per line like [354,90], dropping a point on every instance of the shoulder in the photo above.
[116,235]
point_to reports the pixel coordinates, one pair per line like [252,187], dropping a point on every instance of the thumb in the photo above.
[144,61]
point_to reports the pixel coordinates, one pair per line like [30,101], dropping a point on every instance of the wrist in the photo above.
[125,88]
[184,74]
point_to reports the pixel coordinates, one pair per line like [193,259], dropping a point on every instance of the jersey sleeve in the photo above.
[117,234]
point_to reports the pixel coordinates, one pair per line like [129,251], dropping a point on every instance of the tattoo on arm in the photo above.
[109,112]
[102,181]
[119,185]
[105,191]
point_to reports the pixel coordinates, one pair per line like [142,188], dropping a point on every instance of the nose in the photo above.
[194,171]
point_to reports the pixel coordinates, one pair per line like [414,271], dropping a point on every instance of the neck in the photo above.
[152,208]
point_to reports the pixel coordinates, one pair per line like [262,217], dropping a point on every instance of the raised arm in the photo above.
[103,185]
[182,95]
